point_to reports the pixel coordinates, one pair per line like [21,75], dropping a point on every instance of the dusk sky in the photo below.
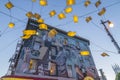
[93,31]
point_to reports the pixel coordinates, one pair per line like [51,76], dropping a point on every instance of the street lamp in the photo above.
[109,34]
[110,24]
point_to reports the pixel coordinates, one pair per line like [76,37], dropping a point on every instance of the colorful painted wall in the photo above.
[52,53]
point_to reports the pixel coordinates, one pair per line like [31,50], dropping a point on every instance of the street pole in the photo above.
[110,35]
[102,74]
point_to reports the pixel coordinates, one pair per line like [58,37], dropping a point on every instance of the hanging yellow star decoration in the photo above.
[87,3]
[36,15]
[29,14]
[11,25]
[52,13]
[98,3]
[52,33]
[61,16]
[88,78]
[68,10]
[40,20]
[9,5]
[43,2]
[88,19]
[104,54]
[28,33]
[84,53]
[70,2]
[75,19]
[102,12]
[43,26]
[71,33]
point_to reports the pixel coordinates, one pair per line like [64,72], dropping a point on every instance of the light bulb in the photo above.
[110,24]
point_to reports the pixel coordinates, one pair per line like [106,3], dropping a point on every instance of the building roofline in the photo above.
[60,30]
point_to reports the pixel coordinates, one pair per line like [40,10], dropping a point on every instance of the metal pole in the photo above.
[102,74]
[110,35]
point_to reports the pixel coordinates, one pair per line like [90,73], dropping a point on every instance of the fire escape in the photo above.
[14,59]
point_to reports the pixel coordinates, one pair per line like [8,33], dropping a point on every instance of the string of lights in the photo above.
[90,13]
[104,31]
[5,30]
[79,16]
[64,23]
[18,28]
[68,21]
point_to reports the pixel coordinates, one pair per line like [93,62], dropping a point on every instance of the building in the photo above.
[51,55]
[116,69]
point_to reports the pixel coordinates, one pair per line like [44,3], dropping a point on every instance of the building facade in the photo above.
[51,55]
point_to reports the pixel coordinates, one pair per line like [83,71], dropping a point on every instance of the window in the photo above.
[69,70]
[53,51]
[52,69]
[32,66]
[36,46]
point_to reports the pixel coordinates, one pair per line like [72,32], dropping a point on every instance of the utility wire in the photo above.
[3,49]
[98,45]
[64,23]
[5,30]
[113,4]
[68,21]
[32,6]
[11,30]
[10,21]
[12,16]
[63,10]
[78,17]
[7,27]
[21,8]
[91,12]
[97,26]
[102,48]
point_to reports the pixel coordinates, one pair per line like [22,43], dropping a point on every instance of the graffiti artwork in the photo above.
[53,53]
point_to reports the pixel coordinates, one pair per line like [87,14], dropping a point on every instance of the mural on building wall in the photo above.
[56,54]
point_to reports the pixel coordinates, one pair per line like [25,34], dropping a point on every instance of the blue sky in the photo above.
[93,31]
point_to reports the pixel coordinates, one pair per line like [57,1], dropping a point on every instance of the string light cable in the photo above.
[18,28]
[103,49]
[66,22]
[7,46]
[60,24]
[91,13]
[6,32]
